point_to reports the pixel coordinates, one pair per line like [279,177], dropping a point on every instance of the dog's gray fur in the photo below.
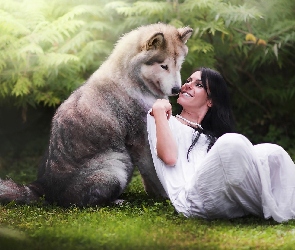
[99,134]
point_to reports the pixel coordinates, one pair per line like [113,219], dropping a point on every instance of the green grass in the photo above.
[140,223]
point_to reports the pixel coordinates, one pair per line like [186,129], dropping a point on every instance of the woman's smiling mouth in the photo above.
[186,94]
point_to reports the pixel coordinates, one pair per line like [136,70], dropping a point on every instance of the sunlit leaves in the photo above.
[145,8]
[200,46]
[47,47]
[240,13]
[21,87]
[198,6]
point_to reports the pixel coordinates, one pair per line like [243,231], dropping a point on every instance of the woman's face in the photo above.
[193,93]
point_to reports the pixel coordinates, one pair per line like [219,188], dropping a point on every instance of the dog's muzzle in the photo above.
[175,90]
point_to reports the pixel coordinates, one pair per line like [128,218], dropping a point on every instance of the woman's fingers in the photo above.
[162,105]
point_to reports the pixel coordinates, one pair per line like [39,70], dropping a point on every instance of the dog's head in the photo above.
[162,54]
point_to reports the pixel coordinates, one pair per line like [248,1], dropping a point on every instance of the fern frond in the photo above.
[199,45]
[38,78]
[243,13]
[67,28]
[145,8]
[32,12]
[73,44]
[5,40]
[91,50]
[212,27]
[94,10]
[48,98]
[2,64]
[22,86]
[274,10]
[151,8]
[115,5]
[31,48]
[5,88]
[56,59]
[99,26]
[289,38]
[282,28]
[10,25]
[177,23]
[193,5]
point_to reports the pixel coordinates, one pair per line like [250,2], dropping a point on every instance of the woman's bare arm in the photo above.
[166,145]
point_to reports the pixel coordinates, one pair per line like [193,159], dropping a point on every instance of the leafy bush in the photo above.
[48,48]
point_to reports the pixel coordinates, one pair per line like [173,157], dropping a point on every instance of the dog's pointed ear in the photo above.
[155,42]
[185,33]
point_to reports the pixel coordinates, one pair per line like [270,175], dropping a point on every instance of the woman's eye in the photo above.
[164,67]
[199,85]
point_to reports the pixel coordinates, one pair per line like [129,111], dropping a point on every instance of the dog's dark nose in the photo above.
[175,90]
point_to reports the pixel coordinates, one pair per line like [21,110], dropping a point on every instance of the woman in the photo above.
[206,170]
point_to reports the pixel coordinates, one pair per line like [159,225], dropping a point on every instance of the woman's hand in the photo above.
[162,106]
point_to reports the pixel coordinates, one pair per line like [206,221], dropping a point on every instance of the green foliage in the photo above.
[257,63]
[49,48]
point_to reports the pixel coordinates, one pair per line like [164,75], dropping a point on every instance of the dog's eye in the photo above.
[164,67]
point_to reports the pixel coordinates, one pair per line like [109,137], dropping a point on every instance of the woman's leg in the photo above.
[277,172]
[228,181]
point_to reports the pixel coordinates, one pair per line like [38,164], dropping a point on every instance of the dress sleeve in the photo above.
[159,165]
[152,137]
[151,129]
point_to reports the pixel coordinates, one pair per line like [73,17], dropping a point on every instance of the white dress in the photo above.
[233,179]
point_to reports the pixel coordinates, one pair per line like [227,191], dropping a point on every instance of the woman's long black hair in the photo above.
[219,118]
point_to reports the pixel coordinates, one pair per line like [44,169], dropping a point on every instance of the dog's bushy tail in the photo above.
[20,194]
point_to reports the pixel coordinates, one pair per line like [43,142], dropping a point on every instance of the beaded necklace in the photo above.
[195,124]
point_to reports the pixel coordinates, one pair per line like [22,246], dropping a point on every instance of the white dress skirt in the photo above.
[233,179]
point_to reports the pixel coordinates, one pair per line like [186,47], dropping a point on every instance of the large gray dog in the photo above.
[99,134]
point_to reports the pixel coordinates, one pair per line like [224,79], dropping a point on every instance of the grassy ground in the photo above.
[140,223]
